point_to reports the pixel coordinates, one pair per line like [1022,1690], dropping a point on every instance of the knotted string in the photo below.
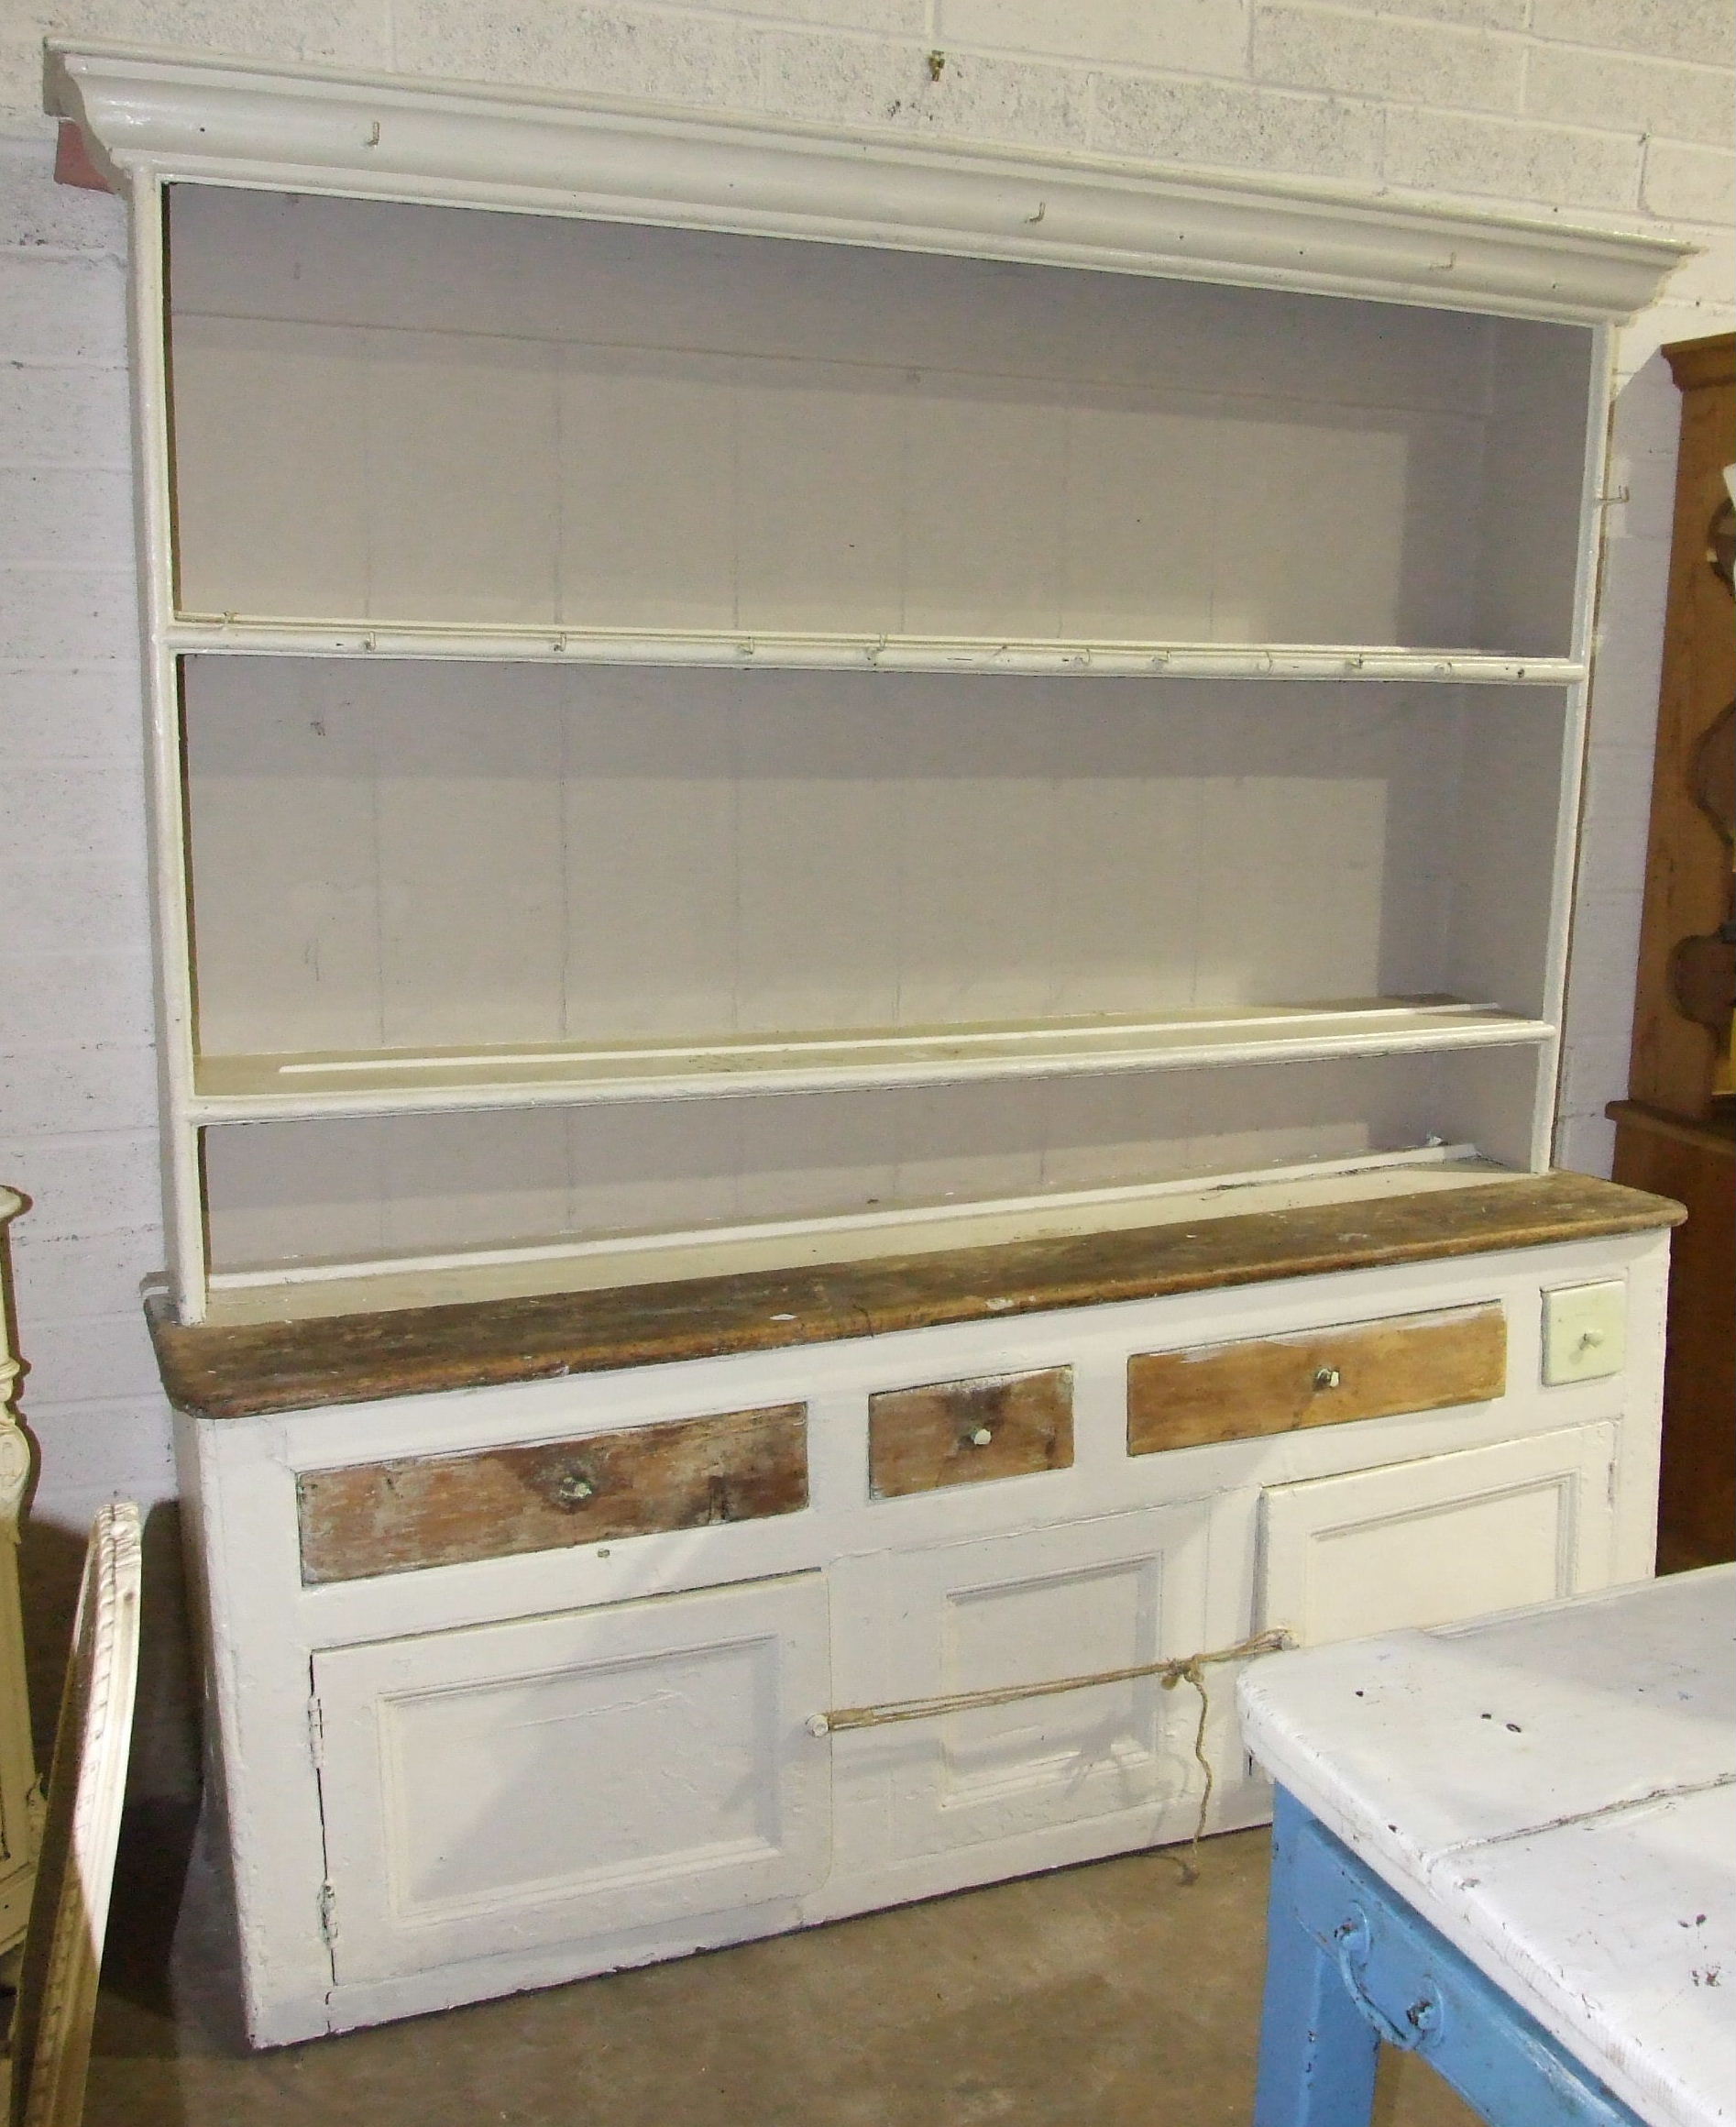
[1181,1670]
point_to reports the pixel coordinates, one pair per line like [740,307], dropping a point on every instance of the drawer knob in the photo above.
[979,1437]
[573,1488]
[1325,1377]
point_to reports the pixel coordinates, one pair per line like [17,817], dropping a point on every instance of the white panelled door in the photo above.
[508,1785]
[1029,1607]
[1445,1538]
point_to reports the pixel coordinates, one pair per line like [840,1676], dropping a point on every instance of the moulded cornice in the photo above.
[159,115]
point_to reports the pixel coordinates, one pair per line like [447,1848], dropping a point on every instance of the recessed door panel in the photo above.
[1038,1606]
[511,1785]
[1444,1537]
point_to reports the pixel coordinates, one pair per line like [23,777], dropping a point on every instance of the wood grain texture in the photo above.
[443,1510]
[1687,883]
[1273,1384]
[965,1432]
[1696,1162]
[1697,363]
[243,1371]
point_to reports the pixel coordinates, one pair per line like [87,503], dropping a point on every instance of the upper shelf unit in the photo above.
[657,446]
[726,394]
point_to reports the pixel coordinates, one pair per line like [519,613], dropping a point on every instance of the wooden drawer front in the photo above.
[1272,1384]
[962,1432]
[444,1510]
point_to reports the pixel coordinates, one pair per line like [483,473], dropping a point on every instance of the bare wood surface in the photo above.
[1697,1488]
[1688,884]
[444,1510]
[962,1432]
[1273,1384]
[1693,363]
[241,1370]
[1716,1134]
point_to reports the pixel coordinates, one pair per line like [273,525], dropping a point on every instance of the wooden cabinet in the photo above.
[1676,1131]
[841,827]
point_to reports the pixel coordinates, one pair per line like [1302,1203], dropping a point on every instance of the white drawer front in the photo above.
[512,1785]
[1441,1538]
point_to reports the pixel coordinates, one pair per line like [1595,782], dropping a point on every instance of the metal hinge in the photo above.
[328,1915]
[316,1734]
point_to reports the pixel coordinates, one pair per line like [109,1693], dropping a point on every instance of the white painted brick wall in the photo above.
[1613,109]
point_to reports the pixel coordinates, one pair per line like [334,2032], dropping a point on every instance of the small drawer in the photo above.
[963,1432]
[492,1502]
[1324,1377]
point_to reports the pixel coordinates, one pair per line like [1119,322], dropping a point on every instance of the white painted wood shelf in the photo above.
[402,1081]
[639,664]
[245,636]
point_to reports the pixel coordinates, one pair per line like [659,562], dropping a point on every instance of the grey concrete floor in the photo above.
[1110,1995]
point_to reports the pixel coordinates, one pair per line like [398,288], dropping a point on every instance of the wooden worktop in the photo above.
[241,1370]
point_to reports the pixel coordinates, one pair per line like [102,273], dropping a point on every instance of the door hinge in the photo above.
[316,1734]
[328,1915]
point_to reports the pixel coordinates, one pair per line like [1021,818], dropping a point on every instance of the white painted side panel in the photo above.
[496,1790]
[1430,1542]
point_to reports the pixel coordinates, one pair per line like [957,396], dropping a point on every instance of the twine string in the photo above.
[1179,1670]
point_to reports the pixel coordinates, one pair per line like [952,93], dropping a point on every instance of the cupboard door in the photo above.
[1033,1606]
[1444,1537]
[506,1786]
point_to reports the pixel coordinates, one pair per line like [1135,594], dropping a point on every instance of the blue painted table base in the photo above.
[1350,1966]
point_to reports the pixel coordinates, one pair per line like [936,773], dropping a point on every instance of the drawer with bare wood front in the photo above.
[492,1502]
[963,1432]
[1320,1377]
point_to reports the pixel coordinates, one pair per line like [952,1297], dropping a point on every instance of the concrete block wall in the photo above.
[1616,111]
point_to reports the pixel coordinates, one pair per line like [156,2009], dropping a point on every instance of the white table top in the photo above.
[1554,1791]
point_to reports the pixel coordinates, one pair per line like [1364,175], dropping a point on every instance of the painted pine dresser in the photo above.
[863,854]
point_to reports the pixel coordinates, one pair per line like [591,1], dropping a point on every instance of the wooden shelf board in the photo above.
[236,634]
[396,1081]
[234,1371]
